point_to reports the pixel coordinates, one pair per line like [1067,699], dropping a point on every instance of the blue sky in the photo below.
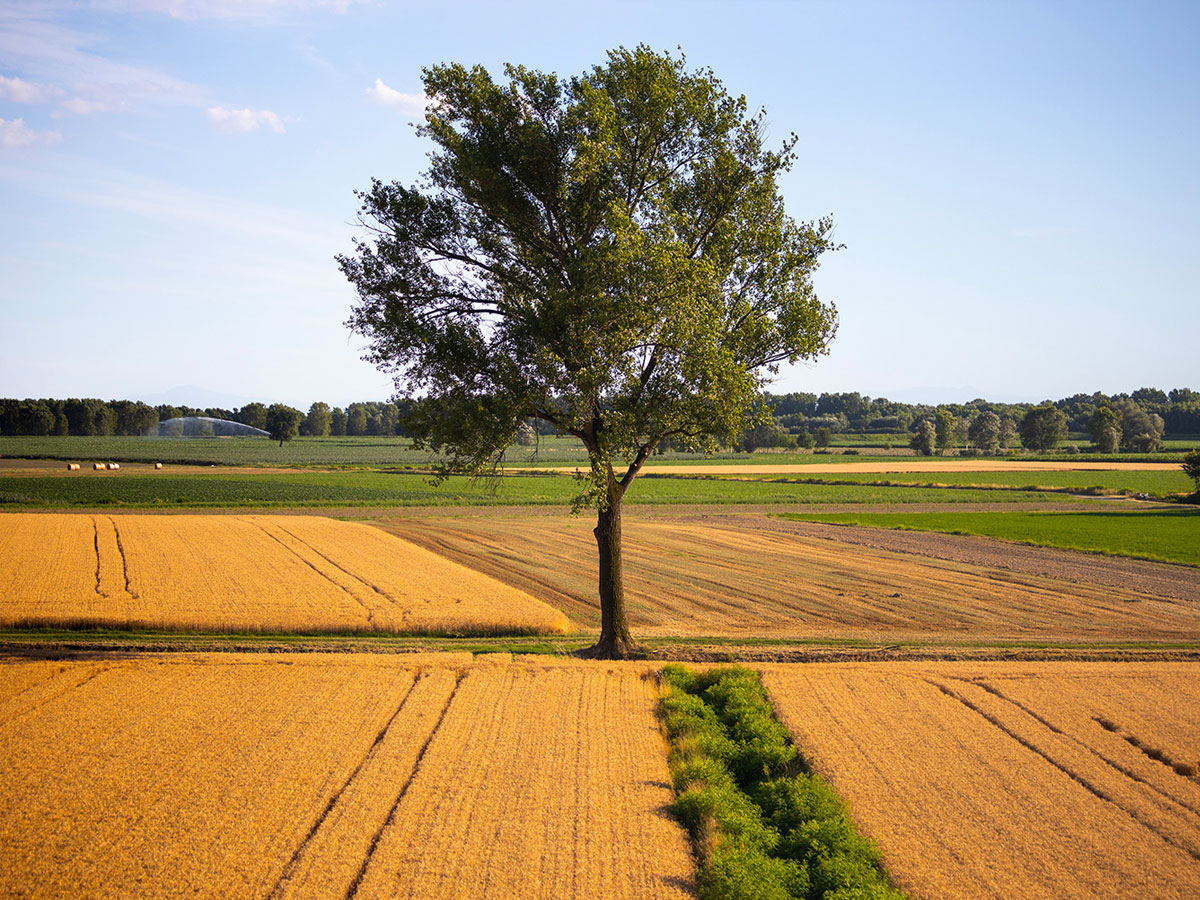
[1017,184]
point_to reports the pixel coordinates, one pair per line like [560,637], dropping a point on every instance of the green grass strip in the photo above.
[1164,535]
[365,488]
[763,825]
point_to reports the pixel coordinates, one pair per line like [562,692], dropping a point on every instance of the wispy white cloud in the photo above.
[62,63]
[15,133]
[230,121]
[105,187]
[223,9]
[313,57]
[411,105]
[18,90]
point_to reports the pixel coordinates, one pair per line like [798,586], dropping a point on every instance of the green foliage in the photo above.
[741,873]
[318,420]
[944,430]
[1141,431]
[1043,427]
[358,488]
[1191,467]
[924,439]
[984,432]
[254,415]
[623,266]
[1105,428]
[761,830]
[283,422]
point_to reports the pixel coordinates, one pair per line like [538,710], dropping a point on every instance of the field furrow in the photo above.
[971,796]
[542,782]
[256,573]
[188,776]
[685,578]
[330,861]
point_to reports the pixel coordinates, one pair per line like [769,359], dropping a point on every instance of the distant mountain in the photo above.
[932,396]
[195,397]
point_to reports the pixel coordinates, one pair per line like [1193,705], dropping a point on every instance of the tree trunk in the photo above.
[615,642]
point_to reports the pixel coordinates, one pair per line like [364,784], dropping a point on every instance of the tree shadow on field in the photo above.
[61,654]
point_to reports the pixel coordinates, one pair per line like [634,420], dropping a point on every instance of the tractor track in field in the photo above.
[1168,580]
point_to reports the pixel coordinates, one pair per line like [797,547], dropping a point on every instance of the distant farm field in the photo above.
[750,578]
[1160,482]
[317,777]
[997,780]
[1169,535]
[158,489]
[248,573]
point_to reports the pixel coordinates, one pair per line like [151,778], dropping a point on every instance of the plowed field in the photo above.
[997,780]
[339,777]
[259,573]
[684,577]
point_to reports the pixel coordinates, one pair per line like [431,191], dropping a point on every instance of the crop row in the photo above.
[396,489]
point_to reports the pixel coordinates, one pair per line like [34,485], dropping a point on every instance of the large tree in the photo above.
[1043,427]
[283,422]
[984,432]
[607,253]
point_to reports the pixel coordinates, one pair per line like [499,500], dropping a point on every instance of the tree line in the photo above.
[93,417]
[1133,422]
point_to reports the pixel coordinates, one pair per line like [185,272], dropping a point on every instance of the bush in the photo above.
[737,873]
[760,830]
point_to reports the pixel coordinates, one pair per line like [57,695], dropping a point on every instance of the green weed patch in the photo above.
[763,826]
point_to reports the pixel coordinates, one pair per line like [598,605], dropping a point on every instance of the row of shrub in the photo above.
[763,825]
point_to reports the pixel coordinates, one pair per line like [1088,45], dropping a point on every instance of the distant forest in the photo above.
[1137,421]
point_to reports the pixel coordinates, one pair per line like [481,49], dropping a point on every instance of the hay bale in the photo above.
[71,467]
[158,465]
[114,465]
[98,466]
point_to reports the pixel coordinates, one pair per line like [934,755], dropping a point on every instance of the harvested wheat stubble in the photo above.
[270,573]
[543,781]
[244,776]
[996,779]
[683,577]
[173,777]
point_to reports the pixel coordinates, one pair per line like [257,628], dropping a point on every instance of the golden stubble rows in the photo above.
[230,776]
[688,578]
[1000,780]
[271,573]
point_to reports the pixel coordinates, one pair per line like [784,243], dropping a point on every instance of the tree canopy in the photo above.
[283,422]
[608,253]
[1043,427]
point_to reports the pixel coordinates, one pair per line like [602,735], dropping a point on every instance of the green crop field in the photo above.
[375,452]
[1156,482]
[1171,535]
[357,487]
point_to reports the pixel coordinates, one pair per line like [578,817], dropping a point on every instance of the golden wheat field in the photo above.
[1003,780]
[263,573]
[683,577]
[333,776]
